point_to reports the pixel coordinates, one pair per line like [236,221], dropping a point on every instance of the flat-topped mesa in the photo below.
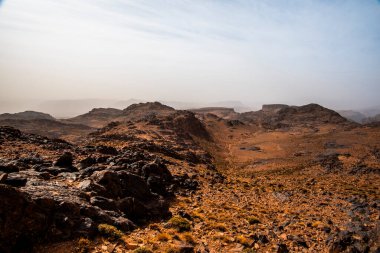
[221,112]
[207,109]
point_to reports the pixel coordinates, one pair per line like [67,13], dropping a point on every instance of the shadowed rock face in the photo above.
[62,195]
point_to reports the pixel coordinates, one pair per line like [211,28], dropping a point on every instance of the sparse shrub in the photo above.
[317,224]
[242,240]
[179,223]
[249,251]
[198,215]
[83,245]
[172,250]
[187,237]
[163,237]
[221,237]
[142,250]
[253,220]
[110,231]
[220,226]
[154,227]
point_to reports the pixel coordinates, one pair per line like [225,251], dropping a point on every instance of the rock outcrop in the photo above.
[72,189]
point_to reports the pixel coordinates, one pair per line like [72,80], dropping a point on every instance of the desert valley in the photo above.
[150,178]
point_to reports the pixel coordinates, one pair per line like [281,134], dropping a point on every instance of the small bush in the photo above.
[83,245]
[110,231]
[249,251]
[221,237]
[154,227]
[142,250]
[242,240]
[187,237]
[163,237]
[221,227]
[253,220]
[179,223]
[172,250]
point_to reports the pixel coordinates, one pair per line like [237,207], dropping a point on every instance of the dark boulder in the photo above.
[15,180]
[87,162]
[282,248]
[122,184]
[8,168]
[65,161]
[157,185]
[104,203]
[156,168]
[133,208]
[57,170]
[107,150]
[3,177]
[21,220]
[90,170]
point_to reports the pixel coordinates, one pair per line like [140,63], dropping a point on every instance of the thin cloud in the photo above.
[272,51]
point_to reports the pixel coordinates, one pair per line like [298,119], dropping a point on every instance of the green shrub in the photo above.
[142,250]
[172,250]
[110,231]
[253,220]
[83,245]
[179,223]
[220,226]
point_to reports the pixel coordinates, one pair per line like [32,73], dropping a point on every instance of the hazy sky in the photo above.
[270,51]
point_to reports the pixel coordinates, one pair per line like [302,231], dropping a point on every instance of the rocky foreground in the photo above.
[154,179]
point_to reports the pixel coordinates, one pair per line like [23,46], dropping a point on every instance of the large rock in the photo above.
[65,161]
[122,184]
[8,168]
[22,220]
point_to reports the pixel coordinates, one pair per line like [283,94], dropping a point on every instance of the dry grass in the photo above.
[163,237]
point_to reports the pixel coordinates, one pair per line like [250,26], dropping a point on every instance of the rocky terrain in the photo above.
[373,119]
[44,124]
[150,178]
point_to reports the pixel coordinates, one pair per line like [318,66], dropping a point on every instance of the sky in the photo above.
[263,51]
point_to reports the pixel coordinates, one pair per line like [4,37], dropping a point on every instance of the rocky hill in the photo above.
[120,177]
[27,115]
[97,117]
[282,116]
[155,179]
[49,128]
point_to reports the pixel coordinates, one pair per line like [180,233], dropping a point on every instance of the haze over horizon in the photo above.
[293,52]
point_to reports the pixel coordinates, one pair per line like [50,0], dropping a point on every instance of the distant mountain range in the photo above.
[273,116]
[72,107]
[68,108]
